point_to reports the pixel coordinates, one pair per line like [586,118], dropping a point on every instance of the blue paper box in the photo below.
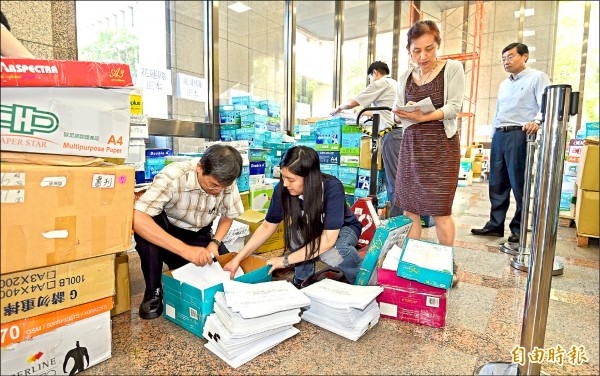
[428,263]
[188,306]
[329,157]
[390,232]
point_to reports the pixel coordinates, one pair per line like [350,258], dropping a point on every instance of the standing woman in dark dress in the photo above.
[429,158]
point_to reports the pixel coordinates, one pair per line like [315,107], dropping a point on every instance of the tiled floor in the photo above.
[484,321]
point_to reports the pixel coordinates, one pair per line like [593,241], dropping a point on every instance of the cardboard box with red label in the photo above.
[39,72]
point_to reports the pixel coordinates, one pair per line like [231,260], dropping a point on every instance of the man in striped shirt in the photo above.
[173,219]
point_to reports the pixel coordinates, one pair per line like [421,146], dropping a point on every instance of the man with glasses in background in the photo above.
[173,219]
[518,114]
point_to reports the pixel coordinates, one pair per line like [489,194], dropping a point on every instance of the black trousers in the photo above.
[152,257]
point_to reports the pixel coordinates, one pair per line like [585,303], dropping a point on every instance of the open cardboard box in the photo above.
[189,306]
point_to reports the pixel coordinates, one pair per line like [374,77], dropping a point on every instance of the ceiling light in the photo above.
[528,33]
[239,7]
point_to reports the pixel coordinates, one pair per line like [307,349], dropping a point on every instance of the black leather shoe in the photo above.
[152,305]
[514,238]
[486,232]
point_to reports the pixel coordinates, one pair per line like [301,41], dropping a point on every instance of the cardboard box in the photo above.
[189,306]
[122,290]
[25,329]
[587,212]
[39,72]
[72,121]
[38,291]
[253,219]
[389,232]
[411,301]
[427,262]
[365,154]
[56,214]
[55,352]
[588,175]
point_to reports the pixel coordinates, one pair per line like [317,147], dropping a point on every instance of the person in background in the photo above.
[381,92]
[173,219]
[317,220]
[9,45]
[518,114]
[429,158]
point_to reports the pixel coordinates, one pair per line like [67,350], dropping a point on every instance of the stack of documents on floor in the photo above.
[250,319]
[346,310]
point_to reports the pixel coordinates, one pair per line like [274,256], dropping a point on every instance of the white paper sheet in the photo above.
[239,327]
[215,332]
[428,255]
[254,300]
[392,259]
[368,321]
[341,295]
[255,350]
[425,105]
[203,277]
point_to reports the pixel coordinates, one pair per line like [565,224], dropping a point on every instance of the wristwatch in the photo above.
[286,262]
[538,122]
[216,241]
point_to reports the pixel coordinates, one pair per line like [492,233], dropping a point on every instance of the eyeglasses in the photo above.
[507,58]
[214,187]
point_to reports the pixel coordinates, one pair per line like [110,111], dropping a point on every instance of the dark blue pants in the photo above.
[507,171]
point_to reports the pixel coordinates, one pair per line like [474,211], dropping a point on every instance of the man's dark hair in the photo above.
[222,162]
[521,48]
[4,21]
[378,66]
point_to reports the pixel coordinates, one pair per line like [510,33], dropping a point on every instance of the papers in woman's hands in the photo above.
[425,105]
[203,277]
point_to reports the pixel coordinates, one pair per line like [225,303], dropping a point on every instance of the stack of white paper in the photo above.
[203,277]
[250,319]
[344,309]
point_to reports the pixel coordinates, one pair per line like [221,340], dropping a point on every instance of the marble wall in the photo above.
[46,28]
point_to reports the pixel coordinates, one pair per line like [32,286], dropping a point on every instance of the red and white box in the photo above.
[411,301]
[39,72]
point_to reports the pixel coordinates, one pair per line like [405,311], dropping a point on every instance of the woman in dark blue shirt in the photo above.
[317,220]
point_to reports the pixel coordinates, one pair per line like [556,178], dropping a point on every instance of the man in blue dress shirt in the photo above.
[518,114]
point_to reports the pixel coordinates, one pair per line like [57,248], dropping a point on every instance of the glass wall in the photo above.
[355,48]
[251,50]
[163,44]
[314,58]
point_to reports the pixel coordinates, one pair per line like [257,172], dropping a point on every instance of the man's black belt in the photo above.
[508,129]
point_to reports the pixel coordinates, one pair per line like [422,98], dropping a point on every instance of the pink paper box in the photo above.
[411,301]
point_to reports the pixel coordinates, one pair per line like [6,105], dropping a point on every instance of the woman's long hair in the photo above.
[303,227]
